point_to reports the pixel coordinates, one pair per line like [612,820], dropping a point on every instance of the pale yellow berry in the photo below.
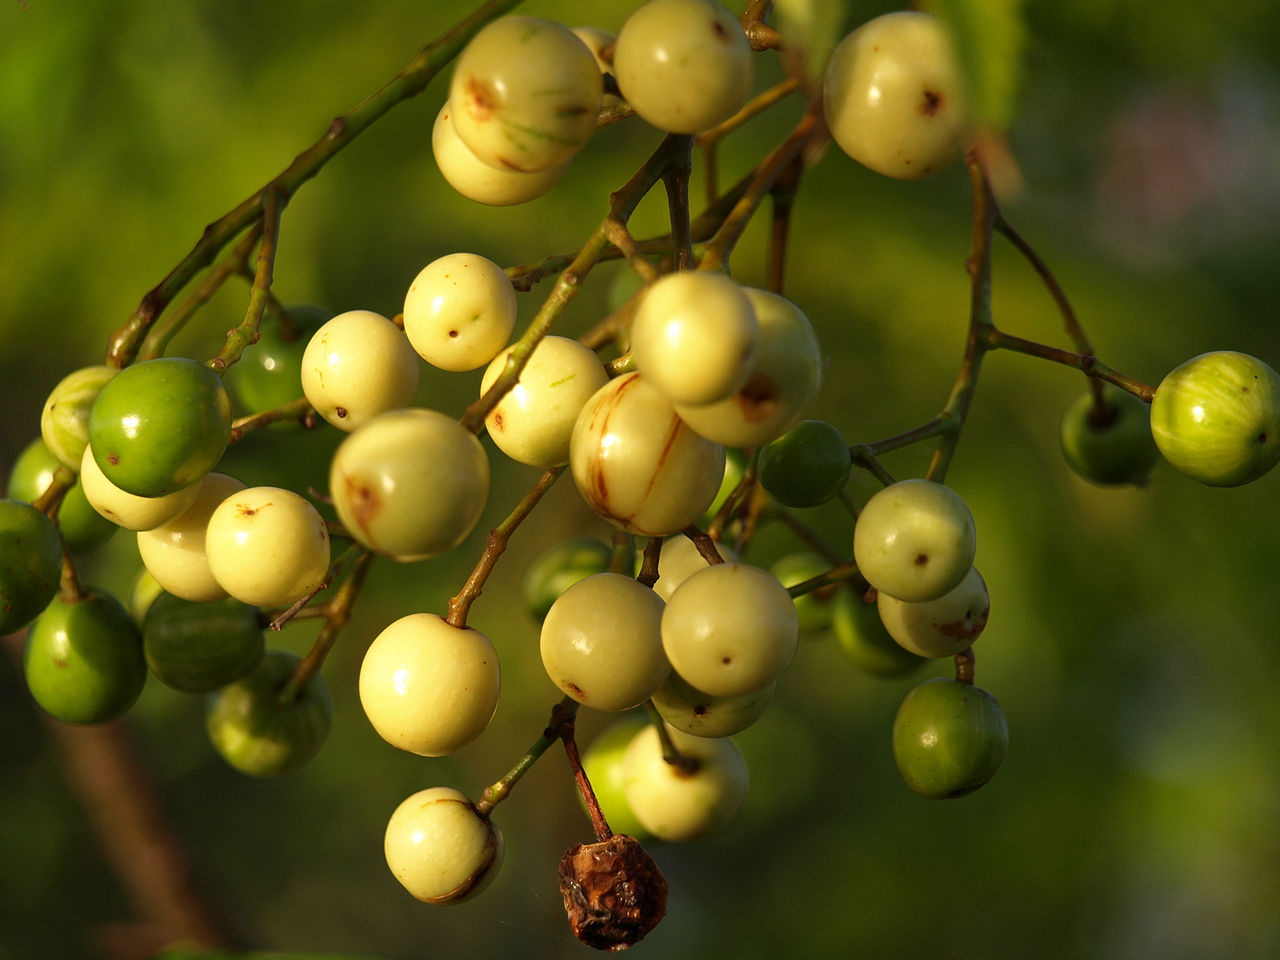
[357,366]
[428,687]
[480,182]
[676,805]
[680,559]
[637,464]
[782,384]
[534,421]
[694,337]
[410,484]
[683,65]
[267,546]
[126,509]
[894,98]
[439,846]
[601,642]
[598,41]
[174,553]
[942,627]
[692,711]
[525,93]
[459,311]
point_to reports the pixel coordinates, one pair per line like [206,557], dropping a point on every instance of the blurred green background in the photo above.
[1133,634]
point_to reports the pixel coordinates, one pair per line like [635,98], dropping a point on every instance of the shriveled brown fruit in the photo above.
[613,892]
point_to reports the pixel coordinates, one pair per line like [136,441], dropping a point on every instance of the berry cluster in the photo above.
[681,419]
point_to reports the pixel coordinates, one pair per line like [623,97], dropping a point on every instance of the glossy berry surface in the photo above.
[692,711]
[267,546]
[949,738]
[914,540]
[475,179]
[683,65]
[83,659]
[1216,418]
[894,97]
[730,629]
[459,311]
[259,735]
[439,846]
[174,552]
[83,528]
[357,366]
[525,94]
[160,425]
[694,336]
[1113,446]
[941,627]
[601,642]
[806,466]
[681,806]
[30,563]
[410,484]
[679,559]
[428,687]
[198,647]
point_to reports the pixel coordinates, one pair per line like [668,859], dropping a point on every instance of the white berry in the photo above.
[356,366]
[459,311]
[440,848]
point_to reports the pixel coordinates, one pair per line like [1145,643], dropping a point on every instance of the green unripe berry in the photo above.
[83,528]
[30,563]
[864,640]
[1113,446]
[949,738]
[198,647]
[558,568]
[160,425]
[64,422]
[806,466]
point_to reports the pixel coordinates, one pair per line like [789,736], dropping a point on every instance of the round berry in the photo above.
[690,710]
[174,552]
[533,423]
[459,311]
[694,337]
[64,421]
[267,546]
[893,96]
[683,65]
[410,484]
[914,540]
[259,734]
[198,647]
[680,559]
[949,738]
[601,642]
[160,425]
[730,629]
[864,640]
[557,568]
[525,93]
[782,384]
[83,659]
[30,563]
[806,466]
[478,181]
[83,528]
[1113,446]
[125,509]
[440,848]
[428,687]
[1216,418]
[637,464]
[357,366]
[942,627]
[600,43]
[679,805]
[269,375]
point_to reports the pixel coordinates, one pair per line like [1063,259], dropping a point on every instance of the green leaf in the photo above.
[989,36]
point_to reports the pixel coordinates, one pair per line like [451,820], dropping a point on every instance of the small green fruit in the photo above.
[64,422]
[269,375]
[1114,448]
[863,638]
[602,763]
[806,466]
[198,647]
[30,563]
[83,659]
[949,738]
[83,528]
[559,567]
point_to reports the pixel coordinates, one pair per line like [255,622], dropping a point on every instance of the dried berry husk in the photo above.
[613,892]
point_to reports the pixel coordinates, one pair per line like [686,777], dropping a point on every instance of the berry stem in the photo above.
[863,456]
[499,791]
[670,754]
[337,615]
[122,346]
[964,666]
[273,204]
[837,574]
[783,196]
[70,588]
[1091,366]
[598,821]
[51,499]
[808,536]
[706,546]
[167,327]
[623,559]
[495,545]
[649,565]
[300,410]
[676,182]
